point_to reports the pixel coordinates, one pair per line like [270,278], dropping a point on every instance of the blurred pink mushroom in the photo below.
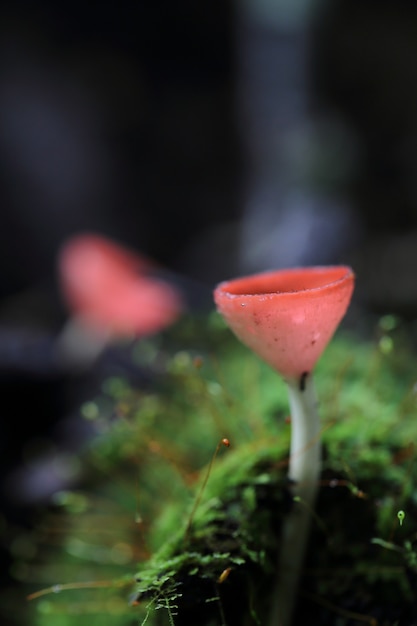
[111,294]
[288,317]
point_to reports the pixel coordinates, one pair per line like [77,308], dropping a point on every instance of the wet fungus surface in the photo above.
[287,317]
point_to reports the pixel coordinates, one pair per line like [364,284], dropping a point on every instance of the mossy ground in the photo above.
[140,542]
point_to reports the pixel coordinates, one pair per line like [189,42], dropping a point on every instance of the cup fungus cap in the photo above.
[288,316]
[111,289]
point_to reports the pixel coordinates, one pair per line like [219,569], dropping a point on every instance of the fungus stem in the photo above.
[305,452]
[79,345]
[304,472]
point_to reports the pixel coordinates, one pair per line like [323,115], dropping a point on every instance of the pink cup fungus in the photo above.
[288,317]
[111,293]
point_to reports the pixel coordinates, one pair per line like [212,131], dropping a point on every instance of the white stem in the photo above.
[304,473]
[305,451]
[79,345]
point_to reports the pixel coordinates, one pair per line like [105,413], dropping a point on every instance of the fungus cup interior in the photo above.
[288,316]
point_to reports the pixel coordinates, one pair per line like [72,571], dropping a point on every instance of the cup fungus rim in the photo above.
[230,288]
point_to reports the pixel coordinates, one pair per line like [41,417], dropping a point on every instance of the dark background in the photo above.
[215,138]
[139,120]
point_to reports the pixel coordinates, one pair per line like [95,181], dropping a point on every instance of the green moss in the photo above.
[189,556]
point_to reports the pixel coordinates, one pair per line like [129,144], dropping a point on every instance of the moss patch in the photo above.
[140,543]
